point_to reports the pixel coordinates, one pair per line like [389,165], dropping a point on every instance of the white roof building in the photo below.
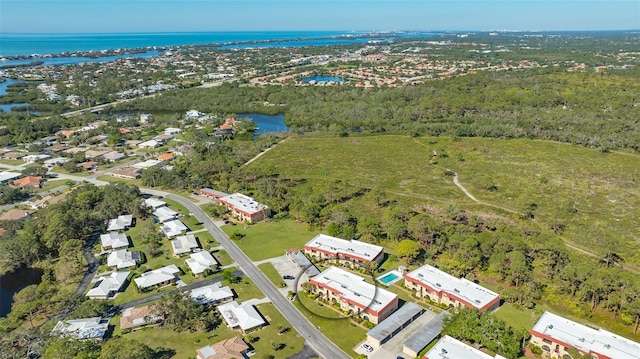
[464,291]
[114,240]
[200,261]
[173,228]
[147,164]
[56,161]
[450,348]
[184,244]
[214,293]
[245,207]
[348,249]
[122,259]
[107,286]
[35,158]
[8,176]
[354,289]
[154,203]
[165,214]
[162,275]
[150,144]
[121,223]
[85,328]
[171,131]
[243,315]
[552,329]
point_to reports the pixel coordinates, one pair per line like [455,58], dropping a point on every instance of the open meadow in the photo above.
[588,197]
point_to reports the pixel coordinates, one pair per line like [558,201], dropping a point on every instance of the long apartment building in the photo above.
[356,297]
[443,288]
[323,247]
[245,208]
[555,335]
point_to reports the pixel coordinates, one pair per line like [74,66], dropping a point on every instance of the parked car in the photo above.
[367,347]
[288,277]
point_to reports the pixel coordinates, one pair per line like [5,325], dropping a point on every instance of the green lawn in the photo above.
[270,272]
[270,239]
[223,257]
[206,240]
[341,332]
[247,290]
[51,184]
[188,219]
[519,319]
[11,162]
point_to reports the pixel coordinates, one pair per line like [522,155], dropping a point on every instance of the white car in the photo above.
[367,347]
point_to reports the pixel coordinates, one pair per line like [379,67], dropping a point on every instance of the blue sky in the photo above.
[64,16]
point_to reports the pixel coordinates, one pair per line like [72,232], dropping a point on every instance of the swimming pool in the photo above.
[390,277]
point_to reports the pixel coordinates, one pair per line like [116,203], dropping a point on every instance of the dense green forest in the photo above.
[589,109]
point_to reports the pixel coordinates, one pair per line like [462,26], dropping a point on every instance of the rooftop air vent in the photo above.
[438,285]
[456,290]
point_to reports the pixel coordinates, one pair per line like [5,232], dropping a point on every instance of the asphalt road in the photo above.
[312,335]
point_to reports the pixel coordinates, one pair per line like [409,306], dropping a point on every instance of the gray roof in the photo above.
[427,334]
[303,262]
[395,321]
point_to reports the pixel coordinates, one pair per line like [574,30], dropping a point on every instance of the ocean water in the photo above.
[12,44]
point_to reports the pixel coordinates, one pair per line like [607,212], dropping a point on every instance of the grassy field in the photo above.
[270,239]
[341,332]
[270,272]
[223,257]
[593,195]
[51,184]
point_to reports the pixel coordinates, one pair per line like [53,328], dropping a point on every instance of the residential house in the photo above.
[150,144]
[13,155]
[130,173]
[47,200]
[5,176]
[75,150]
[55,161]
[55,149]
[323,247]
[212,193]
[165,214]
[158,277]
[245,208]
[171,131]
[154,203]
[15,215]
[135,318]
[448,347]
[122,259]
[440,287]
[49,140]
[184,244]
[95,153]
[212,294]
[67,133]
[201,261]
[114,156]
[88,166]
[243,316]
[166,157]
[123,222]
[114,240]
[555,335]
[108,286]
[233,348]
[173,228]
[354,294]
[36,158]
[28,183]
[81,329]
[163,138]
[147,164]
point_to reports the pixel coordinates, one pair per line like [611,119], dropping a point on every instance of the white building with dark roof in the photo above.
[184,244]
[555,335]
[443,288]
[114,240]
[107,286]
[323,246]
[451,348]
[245,208]
[355,295]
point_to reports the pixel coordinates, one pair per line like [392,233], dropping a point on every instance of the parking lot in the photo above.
[286,267]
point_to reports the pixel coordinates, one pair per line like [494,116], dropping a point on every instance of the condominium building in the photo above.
[323,247]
